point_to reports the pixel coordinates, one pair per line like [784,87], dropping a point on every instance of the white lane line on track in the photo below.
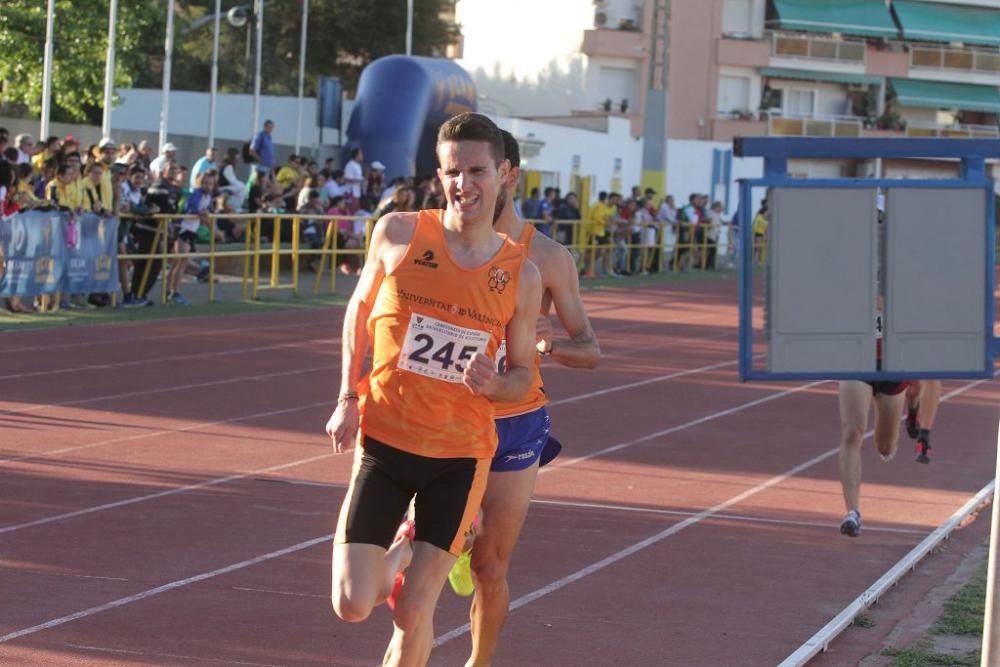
[457,632]
[153,434]
[673,429]
[629,352]
[275,346]
[302,545]
[146,339]
[161,390]
[183,357]
[825,525]
[641,383]
[150,654]
[821,640]
[273,592]
[221,480]
[645,510]
[673,530]
[62,574]
[160,494]
[121,602]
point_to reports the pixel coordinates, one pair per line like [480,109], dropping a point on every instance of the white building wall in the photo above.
[140,110]
[597,151]
[689,170]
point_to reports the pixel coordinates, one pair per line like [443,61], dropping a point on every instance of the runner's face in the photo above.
[470,179]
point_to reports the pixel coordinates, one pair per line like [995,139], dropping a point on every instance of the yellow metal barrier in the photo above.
[677,247]
[252,252]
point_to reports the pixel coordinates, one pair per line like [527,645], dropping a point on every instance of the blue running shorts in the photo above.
[522,440]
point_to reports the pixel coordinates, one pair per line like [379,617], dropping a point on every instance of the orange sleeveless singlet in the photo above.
[429,317]
[535,398]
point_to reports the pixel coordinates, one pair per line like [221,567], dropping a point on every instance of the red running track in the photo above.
[167,495]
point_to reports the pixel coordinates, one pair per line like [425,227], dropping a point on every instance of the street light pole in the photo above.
[47,72]
[259,17]
[409,27]
[302,72]
[215,75]
[168,54]
[109,71]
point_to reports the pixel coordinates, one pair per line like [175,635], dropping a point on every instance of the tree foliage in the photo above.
[79,48]
[343,37]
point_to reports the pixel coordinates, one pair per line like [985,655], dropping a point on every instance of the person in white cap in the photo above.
[25,145]
[376,180]
[167,153]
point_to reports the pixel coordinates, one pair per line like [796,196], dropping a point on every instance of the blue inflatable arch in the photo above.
[401,102]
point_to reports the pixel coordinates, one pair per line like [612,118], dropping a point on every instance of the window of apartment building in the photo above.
[734,94]
[798,101]
[618,84]
[737,18]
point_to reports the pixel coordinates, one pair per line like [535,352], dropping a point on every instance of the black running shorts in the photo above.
[888,388]
[448,494]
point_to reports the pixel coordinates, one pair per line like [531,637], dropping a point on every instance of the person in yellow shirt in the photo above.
[92,198]
[597,233]
[25,193]
[290,179]
[49,150]
[63,191]
[106,152]
[759,229]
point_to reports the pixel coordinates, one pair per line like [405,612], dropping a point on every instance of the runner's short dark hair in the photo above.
[511,149]
[473,127]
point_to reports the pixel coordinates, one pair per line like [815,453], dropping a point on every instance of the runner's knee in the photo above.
[411,613]
[489,564]
[851,435]
[349,609]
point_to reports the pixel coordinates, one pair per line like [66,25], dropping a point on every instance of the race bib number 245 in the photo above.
[440,350]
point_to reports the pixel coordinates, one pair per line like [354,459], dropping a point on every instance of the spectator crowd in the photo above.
[111,179]
[620,236]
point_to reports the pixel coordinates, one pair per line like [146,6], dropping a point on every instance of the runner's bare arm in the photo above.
[388,244]
[481,376]
[582,349]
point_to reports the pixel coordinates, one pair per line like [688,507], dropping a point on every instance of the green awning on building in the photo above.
[938,95]
[870,18]
[941,22]
[807,75]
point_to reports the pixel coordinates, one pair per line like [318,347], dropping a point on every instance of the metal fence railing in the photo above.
[274,252]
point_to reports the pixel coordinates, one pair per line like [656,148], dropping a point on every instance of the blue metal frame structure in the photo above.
[971,153]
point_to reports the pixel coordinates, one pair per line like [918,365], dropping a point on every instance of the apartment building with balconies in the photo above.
[835,68]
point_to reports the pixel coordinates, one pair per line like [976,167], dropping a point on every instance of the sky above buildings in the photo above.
[522,37]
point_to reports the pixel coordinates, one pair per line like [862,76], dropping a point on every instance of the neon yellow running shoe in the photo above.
[460,576]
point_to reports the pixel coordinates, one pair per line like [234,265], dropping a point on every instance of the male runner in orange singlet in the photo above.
[523,426]
[440,291]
